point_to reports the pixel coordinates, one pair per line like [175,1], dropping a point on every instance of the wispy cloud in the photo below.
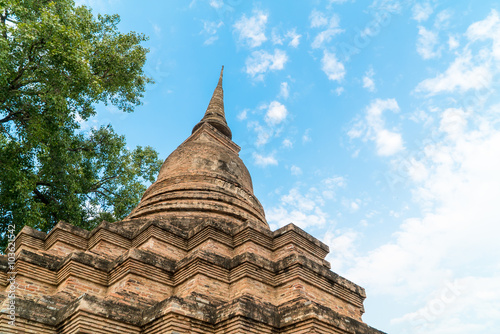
[294,38]
[287,143]
[428,43]
[304,207]
[210,31]
[291,36]
[251,30]
[422,11]
[216,3]
[368,82]
[331,27]
[469,70]
[259,62]
[264,133]
[295,170]
[303,210]
[318,19]
[265,160]
[242,115]
[306,137]
[284,90]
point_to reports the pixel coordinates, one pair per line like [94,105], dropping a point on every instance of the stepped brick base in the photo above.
[152,276]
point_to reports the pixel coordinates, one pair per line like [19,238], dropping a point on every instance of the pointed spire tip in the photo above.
[220,77]
[215,111]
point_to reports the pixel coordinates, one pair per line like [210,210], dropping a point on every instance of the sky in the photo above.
[372,125]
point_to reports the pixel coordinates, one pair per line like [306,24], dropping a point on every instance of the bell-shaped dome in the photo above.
[204,177]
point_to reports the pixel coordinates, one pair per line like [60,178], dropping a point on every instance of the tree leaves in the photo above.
[56,62]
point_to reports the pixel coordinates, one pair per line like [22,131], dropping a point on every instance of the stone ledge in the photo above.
[128,234]
[199,308]
[302,233]
[54,263]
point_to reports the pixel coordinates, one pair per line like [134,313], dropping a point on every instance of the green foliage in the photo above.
[56,62]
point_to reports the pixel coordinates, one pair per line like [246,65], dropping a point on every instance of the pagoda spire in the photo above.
[215,111]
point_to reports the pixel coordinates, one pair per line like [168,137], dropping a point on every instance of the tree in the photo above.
[57,61]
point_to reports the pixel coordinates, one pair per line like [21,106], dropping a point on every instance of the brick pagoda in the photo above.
[195,256]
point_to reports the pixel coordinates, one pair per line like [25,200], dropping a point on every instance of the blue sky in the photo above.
[373,125]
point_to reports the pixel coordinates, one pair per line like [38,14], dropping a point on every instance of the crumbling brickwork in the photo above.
[195,256]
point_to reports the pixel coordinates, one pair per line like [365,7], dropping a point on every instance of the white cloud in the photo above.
[453,43]
[251,30]
[291,35]
[287,143]
[242,115]
[276,113]
[264,134]
[471,297]
[333,68]
[443,19]
[276,38]
[259,62]
[318,20]
[306,137]
[284,90]
[304,207]
[469,70]
[372,128]
[462,75]
[92,122]
[392,6]
[422,11]
[388,142]
[264,161]
[274,117]
[445,258]
[295,170]
[342,245]
[485,29]
[216,3]
[453,241]
[335,182]
[368,82]
[417,170]
[303,210]
[426,43]
[453,122]
[294,38]
[488,28]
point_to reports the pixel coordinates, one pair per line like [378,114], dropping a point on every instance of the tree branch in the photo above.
[3,18]
[10,117]
[41,197]
[99,184]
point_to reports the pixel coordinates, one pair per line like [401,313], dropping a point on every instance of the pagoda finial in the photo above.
[215,111]
[220,77]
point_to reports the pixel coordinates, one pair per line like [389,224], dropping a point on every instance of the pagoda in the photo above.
[195,256]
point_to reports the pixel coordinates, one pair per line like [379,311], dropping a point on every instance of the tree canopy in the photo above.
[57,62]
